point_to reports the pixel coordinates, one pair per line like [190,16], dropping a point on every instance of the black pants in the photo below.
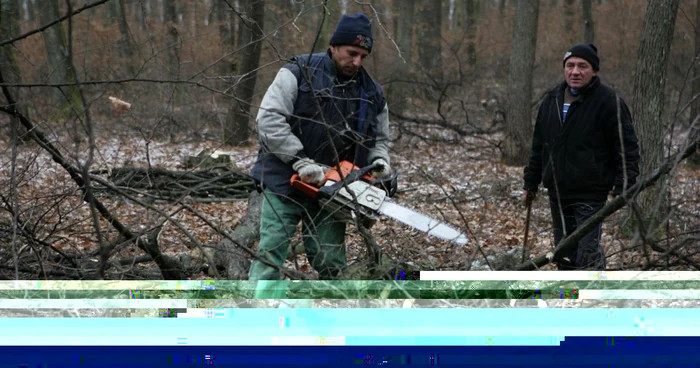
[588,253]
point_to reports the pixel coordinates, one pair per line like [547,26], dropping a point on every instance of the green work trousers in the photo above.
[323,236]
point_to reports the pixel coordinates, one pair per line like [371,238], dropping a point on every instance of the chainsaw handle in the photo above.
[387,184]
[306,188]
[354,175]
[344,172]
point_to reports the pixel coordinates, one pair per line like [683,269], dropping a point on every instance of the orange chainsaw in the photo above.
[350,191]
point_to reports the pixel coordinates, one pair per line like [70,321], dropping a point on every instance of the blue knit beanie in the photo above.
[355,30]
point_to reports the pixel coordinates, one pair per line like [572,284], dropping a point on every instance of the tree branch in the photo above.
[75,174]
[48,25]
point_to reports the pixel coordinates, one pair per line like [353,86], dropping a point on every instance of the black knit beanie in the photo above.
[585,51]
[355,30]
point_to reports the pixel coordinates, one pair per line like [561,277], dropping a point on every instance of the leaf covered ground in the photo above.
[456,179]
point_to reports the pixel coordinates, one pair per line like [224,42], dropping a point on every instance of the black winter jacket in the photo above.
[581,158]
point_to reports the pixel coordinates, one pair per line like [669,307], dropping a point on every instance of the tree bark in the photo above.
[236,130]
[648,100]
[398,91]
[588,29]
[67,98]
[570,22]
[111,12]
[324,28]
[458,14]
[428,33]
[30,10]
[695,106]
[522,60]
[501,9]
[9,28]
[144,14]
[125,45]
[404,29]
[172,44]
[222,14]
[471,14]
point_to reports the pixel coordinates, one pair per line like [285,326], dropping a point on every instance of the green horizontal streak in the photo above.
[290,293]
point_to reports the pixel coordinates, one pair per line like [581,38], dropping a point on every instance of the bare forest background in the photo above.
[128,130]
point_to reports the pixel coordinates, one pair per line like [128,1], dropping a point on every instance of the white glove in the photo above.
[309,171]
[383,171]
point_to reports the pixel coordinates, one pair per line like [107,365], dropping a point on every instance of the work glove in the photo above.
[383,171]
[309,171]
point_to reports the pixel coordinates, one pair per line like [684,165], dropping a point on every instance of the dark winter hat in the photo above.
[355,30]
[586,51]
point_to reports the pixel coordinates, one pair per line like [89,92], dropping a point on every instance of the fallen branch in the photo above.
[171,271]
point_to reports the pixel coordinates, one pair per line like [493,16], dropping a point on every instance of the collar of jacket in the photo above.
[329,74]
[559,91]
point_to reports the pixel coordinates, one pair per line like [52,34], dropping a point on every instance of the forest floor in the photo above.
[456,179]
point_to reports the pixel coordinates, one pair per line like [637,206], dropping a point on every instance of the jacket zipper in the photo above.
[561,121]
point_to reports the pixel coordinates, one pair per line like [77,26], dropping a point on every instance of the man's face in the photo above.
[578,72]
[348,59]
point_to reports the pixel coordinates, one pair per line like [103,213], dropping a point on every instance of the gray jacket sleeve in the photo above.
[276,107]
[383,141]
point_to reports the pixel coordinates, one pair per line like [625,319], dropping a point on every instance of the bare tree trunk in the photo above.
[429,35]
[383,16]
[200,10]
[222,14]
[111,12]
[325,23]
[588,29]
[458,14]
[145,14]
[9,28]
[236,130]
[404,29]
[648,98]
[30,10]
[570,22]
[471,10]
[522,60]
[398,91]
[501,9]
[695,107]
[56,44]
[172,44]
[125,45]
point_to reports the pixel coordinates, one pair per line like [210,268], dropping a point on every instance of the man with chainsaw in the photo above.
[584,148]
[320,109]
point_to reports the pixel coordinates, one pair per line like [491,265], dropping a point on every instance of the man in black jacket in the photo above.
[584,148]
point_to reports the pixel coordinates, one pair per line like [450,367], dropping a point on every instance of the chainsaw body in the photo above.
[348,192]
[351,193]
